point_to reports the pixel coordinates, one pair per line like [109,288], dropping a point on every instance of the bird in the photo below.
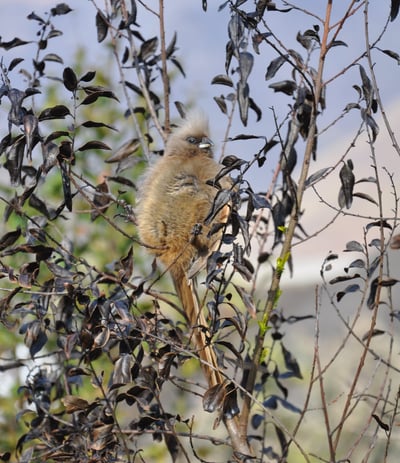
[175,198]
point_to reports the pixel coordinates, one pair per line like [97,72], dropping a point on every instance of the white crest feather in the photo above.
[195,124]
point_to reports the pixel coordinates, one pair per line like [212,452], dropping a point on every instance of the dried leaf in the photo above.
[60,9]
[213,398]
[56,112]
[73,403]
[274,66]
[70,80]
[9,238]
[94,145]
[317,176]
[285,86]
[246,61]
[394,9]
[347,179]
[148,48]
[236,30]
[347,290]
[16,42]
[222,79]
[101,26]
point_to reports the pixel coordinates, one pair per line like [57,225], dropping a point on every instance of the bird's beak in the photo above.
[205,143]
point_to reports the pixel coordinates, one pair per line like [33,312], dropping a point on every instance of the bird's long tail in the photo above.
[197,322]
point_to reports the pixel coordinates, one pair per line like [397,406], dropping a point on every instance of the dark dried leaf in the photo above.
[372,293]
[35,17]
[243,100]
[122,369]
[379,223]
[381,424]
[39,205]
[66,183]
[70,80]
[60,9]
[338,43]
[341,279]
[30,123]
[374,263]
[35,337]
[394,9]
[255,108]
[101,200]
[122,181]
[236,30]
[92,97]
[56,112]
[148,48]
[98,124]
[358,263]
[317,176]
[53,57]
[229,49]
[222,79]
[247,301]
[257,420]
[16,42]
[14,158]
[213,398]
[171,48]
[347,290]
[178,65]
[244,136]
[291,363]
[16,113]
[73,403]
[285,86]
[246,61]
[14,63]
[231,407]
[375,332]
[347,179]
[354,246]
[259,201]
[389,282]
[9,238]
[392,54]
[94,145]
[222,198]
[366,197]
[101,26]
[90,75]
[49,152]
[128,148]
[371,124]
[274,66]
[221,104]
[173,446]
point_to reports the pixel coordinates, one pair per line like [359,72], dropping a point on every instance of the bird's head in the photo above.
[191,138]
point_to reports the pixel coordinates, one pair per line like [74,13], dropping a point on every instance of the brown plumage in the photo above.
[174,201]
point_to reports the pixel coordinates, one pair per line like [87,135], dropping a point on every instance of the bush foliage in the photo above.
[93,339]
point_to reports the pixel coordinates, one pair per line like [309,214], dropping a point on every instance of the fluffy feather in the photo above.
[175,199]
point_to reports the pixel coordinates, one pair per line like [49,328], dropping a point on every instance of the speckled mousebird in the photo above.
[175,198]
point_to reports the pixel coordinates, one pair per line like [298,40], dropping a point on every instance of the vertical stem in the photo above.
[291,228]
[361,362]
[165,78]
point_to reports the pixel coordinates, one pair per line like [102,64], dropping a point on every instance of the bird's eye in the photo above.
[192,140]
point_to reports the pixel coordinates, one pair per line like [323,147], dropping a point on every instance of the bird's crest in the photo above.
[195,124]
